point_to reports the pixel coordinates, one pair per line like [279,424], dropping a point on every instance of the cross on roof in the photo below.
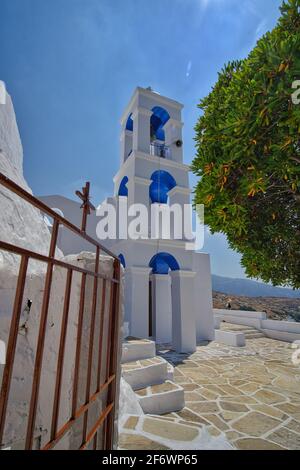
[86,205]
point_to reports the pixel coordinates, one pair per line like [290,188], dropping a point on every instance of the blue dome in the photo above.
[123,190]
[162,183]
[161,263]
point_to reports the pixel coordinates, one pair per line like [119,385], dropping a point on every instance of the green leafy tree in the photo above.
[248,154]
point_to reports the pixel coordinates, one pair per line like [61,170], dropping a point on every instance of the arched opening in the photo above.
[162,183]
[160,296]
[158,119]
[123,190]
[127,138]
[129,123]
[162,263]
[122,260]
[157,134]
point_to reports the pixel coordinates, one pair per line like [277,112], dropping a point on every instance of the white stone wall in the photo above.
[20,223]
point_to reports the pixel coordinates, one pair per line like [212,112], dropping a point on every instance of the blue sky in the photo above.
[72,65]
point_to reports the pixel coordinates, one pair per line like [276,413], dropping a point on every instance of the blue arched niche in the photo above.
[162,263]
[123,190]
[122,260]
[158,119]
[129,123]
[162,183]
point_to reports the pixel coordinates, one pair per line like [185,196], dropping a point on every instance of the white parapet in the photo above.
[240,317]
[276,329]
[281,330]
[230,338]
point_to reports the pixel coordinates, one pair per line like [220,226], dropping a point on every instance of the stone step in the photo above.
[161,399]
[249,332]
[146,372]
[244,329]
[252,331]
[257,334]
[137,349]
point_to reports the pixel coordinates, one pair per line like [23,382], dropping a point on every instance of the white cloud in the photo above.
[260,30]
[205,3]
[188,69]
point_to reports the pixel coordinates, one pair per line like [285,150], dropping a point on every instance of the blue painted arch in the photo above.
[123,190]
[129,123]
[158,119]
[122,260]
[162,263]
[162,183]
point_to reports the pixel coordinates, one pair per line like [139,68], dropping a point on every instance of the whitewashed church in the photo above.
[168,293]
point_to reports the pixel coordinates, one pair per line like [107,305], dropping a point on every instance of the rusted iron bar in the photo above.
[41,341]
[91,344]
[61,355]
[11,185]
[78,345]
[111,396]
[12,343]
[65,428]
[109,335]
[95,441]
[44,259]
[95,428]
[104,434]
[108,351]
[100,345]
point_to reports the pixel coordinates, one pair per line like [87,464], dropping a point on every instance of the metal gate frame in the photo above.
[106,418]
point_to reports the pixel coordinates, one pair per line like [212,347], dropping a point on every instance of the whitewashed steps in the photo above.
[161,399]
[252,333]
[146,372]
[248,331]
[149,375]
[137,349]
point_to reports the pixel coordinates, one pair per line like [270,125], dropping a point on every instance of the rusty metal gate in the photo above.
[80,413]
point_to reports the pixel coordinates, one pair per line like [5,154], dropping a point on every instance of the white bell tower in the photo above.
[168,292]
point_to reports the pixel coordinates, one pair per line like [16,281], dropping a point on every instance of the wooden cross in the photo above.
[87,206]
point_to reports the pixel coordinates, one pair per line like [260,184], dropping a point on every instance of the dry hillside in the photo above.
[276,308]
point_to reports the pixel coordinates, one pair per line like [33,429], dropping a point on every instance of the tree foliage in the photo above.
[248,154]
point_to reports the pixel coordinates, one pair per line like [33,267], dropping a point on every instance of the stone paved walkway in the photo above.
[250,396]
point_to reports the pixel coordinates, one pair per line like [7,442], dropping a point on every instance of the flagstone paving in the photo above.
[249,395]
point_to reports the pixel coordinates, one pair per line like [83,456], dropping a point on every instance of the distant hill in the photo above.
[276,308]
[245,287]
